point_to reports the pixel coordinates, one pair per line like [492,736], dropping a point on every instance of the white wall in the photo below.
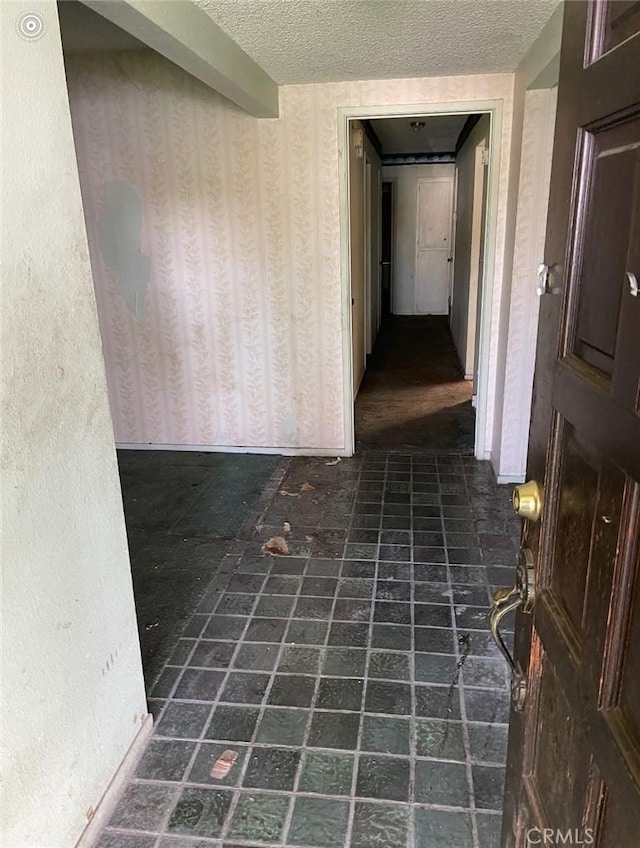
[405,188]
[469,214]
[73,697]
[510,451]
[242,337]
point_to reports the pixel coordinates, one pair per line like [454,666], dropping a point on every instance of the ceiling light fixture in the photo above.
[416,126]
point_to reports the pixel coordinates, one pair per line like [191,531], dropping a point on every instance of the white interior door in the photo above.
[433,246]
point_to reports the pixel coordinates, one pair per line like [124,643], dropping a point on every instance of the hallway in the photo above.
[354,680]
[413,396]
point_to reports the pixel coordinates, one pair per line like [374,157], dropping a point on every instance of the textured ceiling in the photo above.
[439,134]
[307,41]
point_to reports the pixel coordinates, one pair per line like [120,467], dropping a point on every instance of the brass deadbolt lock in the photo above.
[527,500]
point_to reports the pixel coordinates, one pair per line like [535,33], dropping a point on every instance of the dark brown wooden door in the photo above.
[574,749]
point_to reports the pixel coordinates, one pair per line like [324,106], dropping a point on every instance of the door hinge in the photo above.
[545,280]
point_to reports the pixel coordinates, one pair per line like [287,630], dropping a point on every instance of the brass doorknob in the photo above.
[527,500]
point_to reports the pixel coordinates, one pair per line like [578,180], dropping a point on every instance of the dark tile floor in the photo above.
[355,679]
[182,508]
[413,396]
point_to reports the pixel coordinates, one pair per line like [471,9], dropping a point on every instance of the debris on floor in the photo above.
[223,765]
[276,546]
[307,487]
[334,461]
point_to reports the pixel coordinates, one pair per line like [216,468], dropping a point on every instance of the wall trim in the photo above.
[510,478]
[493,107]
[234,449]
[111,795]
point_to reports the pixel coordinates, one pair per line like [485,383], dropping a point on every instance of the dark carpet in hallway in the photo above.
[413,396]
[182,509]
[354,680]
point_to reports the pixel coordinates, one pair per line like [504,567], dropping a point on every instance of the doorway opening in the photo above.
[419,197]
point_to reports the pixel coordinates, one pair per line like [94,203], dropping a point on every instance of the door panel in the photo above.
[433,246]
[432,273]
[574,746]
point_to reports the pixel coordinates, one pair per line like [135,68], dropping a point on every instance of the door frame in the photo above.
[349,113]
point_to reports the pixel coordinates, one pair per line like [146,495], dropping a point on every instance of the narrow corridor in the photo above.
[413,396]
[354,680]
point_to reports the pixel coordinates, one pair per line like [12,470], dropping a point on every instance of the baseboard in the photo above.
[111,795]
[234,449]
[510,478]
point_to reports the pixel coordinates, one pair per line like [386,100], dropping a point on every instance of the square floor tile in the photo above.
[488,786]
[485,673]
[392,612]
[233,723]
[344,662]
[259,818]
[488,742]
[475,575]
[489,827]
[319,822]
[249,583]
[444,829]
[389,698]
[436,668]
[323,567]
[352,610]
[257,656]
[394,571]
[326,774]
[434,640]
[295,658]
[292,691]
[387,665]
[206,758]
[395,637]
[183,720]
[385,735]
[235,604]
[275,606]
[283,726]
[431,615]
[441,783]
[380,826]
[199,684]
[424,573]
[142,807]
[432,593]
[319,608]
[271,768]
[438,702]
[348,635]
[329,732]
[490,705]
[354,587]
[393,590]
[282,584]
[319,586]
[359,570]
[385,778]
[340,694]
[439,739]
[211,654]
[200,812]
[165,760]
[245,688]
[265,630]
[307,632]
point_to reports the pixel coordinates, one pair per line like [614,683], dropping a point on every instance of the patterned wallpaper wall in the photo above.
[238,341]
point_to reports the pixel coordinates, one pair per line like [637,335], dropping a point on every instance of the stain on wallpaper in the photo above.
[119,229]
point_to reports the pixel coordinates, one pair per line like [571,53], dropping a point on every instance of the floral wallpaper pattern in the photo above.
[240,343]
